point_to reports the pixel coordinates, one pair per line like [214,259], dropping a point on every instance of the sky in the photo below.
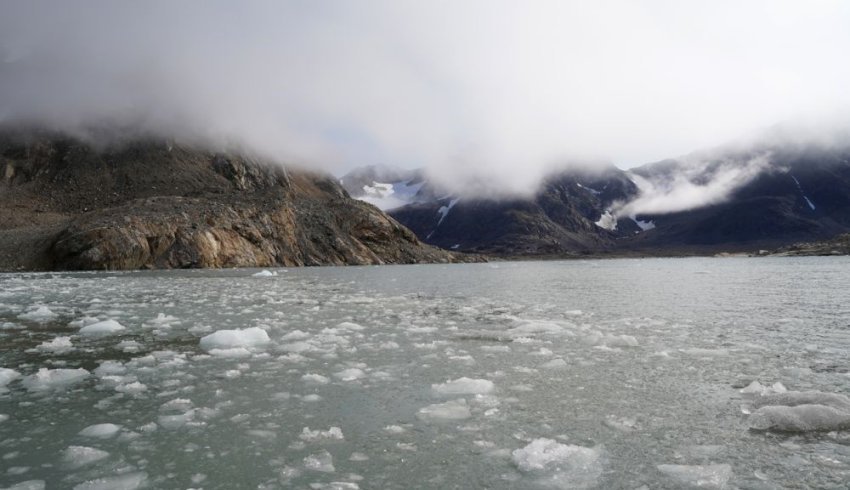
[488,93]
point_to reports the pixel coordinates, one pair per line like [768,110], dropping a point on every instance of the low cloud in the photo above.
[692,184]
[487,95]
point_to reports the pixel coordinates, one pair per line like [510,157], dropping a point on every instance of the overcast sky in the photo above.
[499,90]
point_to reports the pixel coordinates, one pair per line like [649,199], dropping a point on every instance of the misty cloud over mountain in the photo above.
[487,96]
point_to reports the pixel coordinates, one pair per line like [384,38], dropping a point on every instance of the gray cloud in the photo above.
[491,93]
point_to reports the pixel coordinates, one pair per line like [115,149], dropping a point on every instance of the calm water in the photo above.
[578,374]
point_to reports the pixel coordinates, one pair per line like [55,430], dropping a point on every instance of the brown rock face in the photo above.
[149,204]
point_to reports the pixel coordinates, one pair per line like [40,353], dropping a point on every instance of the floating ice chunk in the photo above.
[83,321]
[3,417]
[163,319]
[296,335]
[28,485]
[350,374]
[700,352]
[794,398]
[622,424]
[799,418]
[315,379]
[177,404]
[7,376]
[78,456]
[264,273]
[757,388]
[110,368]
[129,346]
[495,348]
[57,346]
[555,364]
[395,429]
[334,433]
[445,412]
[464,386]
[355,456]
[172,422]
[235,352]
[560,465]
[228,339]
[127,481]
[335,485]
[610,340]
[50,379]
[696,476]
[100,431]
[133,388]
[321,461]
[297,347]
[105,327]
[41,314]
[350,326]
[527,328]
[11,326]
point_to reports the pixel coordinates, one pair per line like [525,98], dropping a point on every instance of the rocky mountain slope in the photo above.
[735,198]
[559,218]
[800,193]
[65,204]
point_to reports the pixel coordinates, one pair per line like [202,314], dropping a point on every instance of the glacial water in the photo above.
[653,373]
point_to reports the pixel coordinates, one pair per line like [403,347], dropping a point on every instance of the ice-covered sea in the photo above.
[654,373]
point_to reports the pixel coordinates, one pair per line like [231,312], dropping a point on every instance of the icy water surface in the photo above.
[657,373]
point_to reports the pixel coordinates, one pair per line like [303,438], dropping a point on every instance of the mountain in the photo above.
[767,193]
[786,194]
[388,187]
[560,218]
[149,203]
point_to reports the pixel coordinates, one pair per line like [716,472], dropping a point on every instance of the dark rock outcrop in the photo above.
[559,219]
[65,204]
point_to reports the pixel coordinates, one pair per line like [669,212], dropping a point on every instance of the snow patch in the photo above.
[607,221]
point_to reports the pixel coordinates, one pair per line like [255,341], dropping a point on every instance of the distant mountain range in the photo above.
[766,194]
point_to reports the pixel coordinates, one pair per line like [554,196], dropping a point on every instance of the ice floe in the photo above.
[333,433]
[445,412]
[57,345]
[228,339]
[78,456]
[54,379]
[464,386]
[321,461]
[105,327]
[796,411]
[39,314]
[713,476]
[100,431]
[126,481]
[557,465]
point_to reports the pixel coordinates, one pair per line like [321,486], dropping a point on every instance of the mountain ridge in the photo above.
[150,203]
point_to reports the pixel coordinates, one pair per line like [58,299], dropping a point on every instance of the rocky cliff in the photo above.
[66,204]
